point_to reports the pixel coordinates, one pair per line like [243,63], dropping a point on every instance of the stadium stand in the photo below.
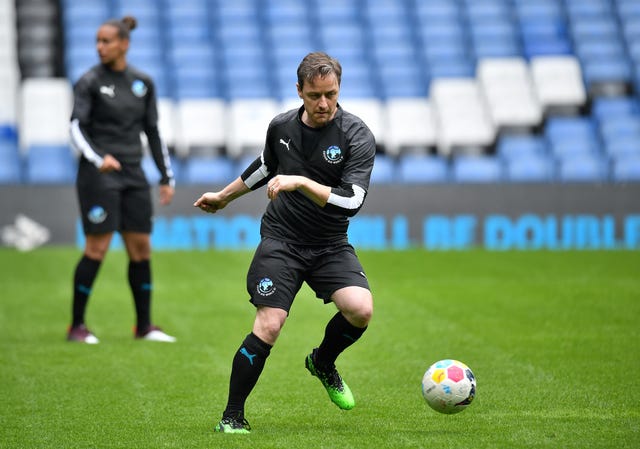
[546,90]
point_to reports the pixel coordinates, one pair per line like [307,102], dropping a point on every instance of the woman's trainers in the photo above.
[154,333]
[81,334]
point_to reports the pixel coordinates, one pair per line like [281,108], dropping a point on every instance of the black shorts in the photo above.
[279,268]
[114,201]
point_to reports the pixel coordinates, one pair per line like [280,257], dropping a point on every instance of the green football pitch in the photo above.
[552,337]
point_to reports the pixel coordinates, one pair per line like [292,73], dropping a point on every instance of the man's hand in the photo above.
[317,193]
[211,202]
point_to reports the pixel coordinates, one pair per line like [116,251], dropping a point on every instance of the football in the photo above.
[449,386]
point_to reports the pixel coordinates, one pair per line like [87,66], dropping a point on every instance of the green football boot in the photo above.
[233,424]
[338,390]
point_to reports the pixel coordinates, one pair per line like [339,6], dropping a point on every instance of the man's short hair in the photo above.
[318,64]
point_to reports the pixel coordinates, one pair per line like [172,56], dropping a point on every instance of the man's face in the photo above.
[320,98]
[110,47]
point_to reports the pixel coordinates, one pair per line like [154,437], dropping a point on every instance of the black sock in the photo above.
[338,336]
[245,371]
[140,283]
[85,274]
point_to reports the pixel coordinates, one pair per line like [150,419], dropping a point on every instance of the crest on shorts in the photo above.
[97,214]
[266,287]
[138,88]
[333,154]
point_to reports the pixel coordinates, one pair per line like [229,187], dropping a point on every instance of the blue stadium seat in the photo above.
[607,70]
[583,168]
[626,168]
[152,173]
[285,12]
[418,169]
[594,50]
[571,135]
[90,14]
[620,126]
[511,147]
[209,170]
[337,10]
[384,170]
[546,46]
[10,162]
[487,10]
[403,81]
[577,9]
[477,169]
[623,147]
[50,164]
[530,168]
[610,107]
[455,67]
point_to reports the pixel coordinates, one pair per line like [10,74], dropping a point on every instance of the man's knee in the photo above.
[356,304]
[268,323]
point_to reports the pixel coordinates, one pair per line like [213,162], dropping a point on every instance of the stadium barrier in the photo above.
[439,217]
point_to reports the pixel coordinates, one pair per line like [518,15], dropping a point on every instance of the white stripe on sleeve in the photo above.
[350,203]
[258,175]
[80,144]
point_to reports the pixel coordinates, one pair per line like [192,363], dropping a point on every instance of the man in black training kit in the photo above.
[316,164]
[113,104]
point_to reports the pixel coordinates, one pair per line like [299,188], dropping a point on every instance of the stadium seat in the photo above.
[612,107]
[9,82]
[418,169]
[200,123]
[462,121]
[285,12]
[514,147]
[583,168]
[477,169]
[247,125]
[50,164]
[626,168]
[167,121]
[509,92]
[209,170]
[558,83]
[530,168]
[10,161]
[569,136]
[608,76]
[622,146]
[45,105]
[152,173]
[150,170]
[620,127]
[410,124]
[371,111]
[384,170]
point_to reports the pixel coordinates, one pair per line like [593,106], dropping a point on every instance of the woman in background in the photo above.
[113,104]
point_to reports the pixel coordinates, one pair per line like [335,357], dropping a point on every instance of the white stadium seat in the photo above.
[558,82]
[248,123]
[200,123]
[507,86]
[462,120]
[410,124]
[45,110]
[370,110]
